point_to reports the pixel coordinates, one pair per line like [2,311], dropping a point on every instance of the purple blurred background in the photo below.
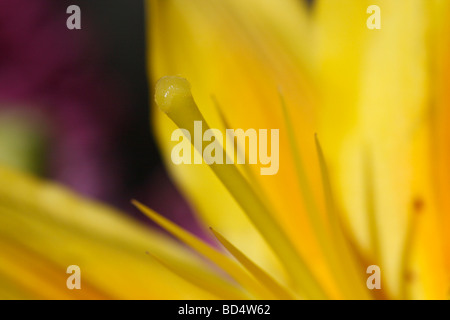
[74,103]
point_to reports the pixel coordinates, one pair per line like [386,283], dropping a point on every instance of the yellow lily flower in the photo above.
[371,96]
[372,192]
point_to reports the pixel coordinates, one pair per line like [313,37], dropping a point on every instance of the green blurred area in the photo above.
[23,142]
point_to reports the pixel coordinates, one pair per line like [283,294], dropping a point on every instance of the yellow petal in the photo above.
[45,228]
[440,114]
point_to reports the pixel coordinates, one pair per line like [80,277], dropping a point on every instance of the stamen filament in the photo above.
[345,262]
[254,269]
[329,247]
[214,285]
[222,261]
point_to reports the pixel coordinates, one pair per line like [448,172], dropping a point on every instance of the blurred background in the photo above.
[74,104]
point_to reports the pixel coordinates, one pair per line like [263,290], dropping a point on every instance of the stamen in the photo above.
[279,291]
[222,261]
[206,281]
[325,241]
[236,153]
[174,98]
[308,198]
[346,265]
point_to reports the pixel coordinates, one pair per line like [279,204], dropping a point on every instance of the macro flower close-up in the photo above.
[283,149]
